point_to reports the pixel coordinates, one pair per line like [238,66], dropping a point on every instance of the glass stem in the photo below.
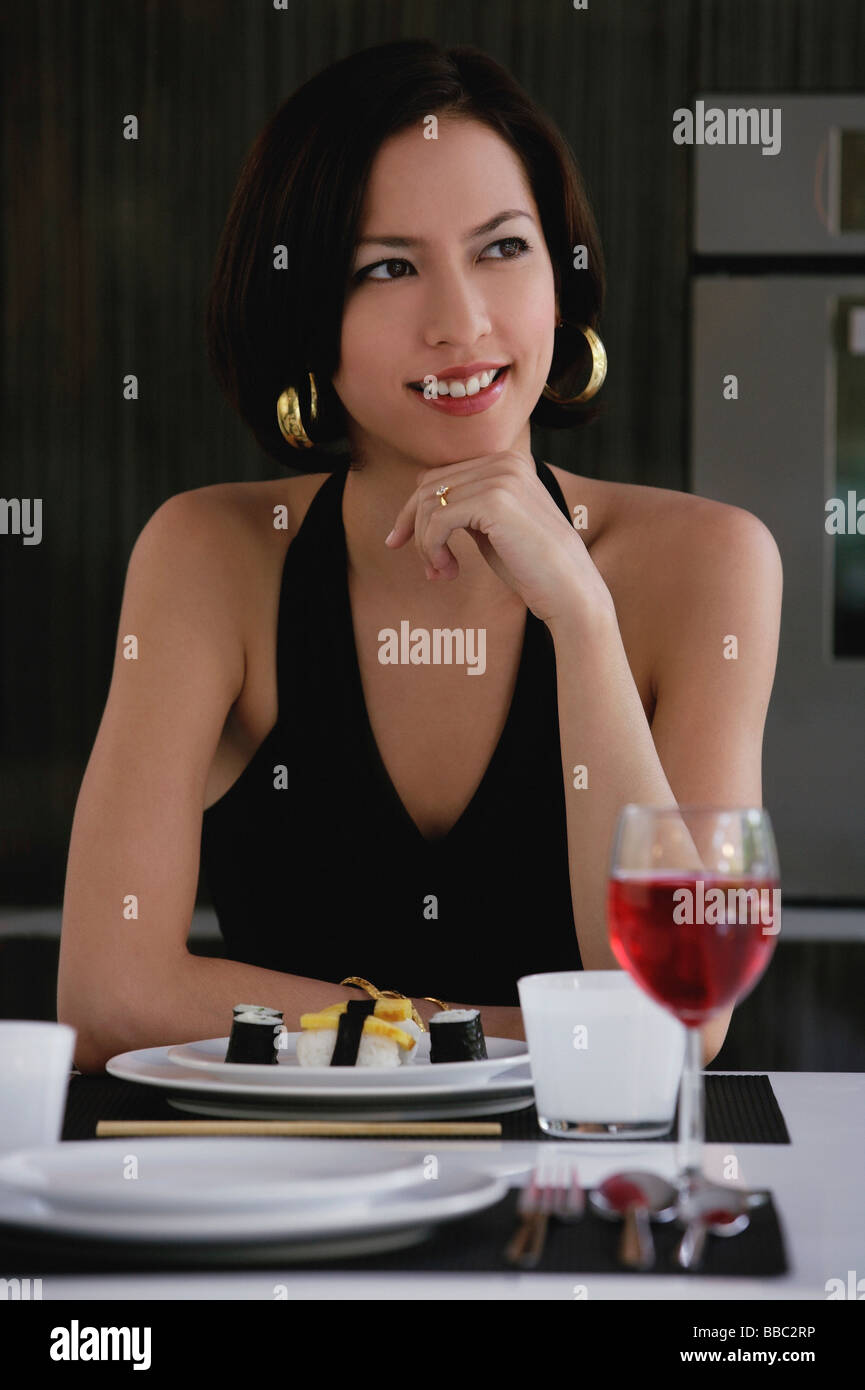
[691,1122]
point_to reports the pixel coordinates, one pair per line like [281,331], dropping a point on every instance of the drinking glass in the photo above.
[694,913]
[606,1059]
[35,1062]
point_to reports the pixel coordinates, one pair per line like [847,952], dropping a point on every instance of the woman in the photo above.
[409,275]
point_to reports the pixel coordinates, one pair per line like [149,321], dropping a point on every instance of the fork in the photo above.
[553,1190]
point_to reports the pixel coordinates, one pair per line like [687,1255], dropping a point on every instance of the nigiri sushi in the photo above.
[358,1032]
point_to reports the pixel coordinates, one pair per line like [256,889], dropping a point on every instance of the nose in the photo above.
[455,311]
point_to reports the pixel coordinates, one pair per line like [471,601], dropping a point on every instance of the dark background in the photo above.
[107,248]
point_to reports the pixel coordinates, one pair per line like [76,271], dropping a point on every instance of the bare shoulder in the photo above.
[241,511]
[621,507]
[242,529]
[231,540]
[657,534]
[666,556]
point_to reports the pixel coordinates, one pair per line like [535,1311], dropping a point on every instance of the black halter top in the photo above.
[313,864]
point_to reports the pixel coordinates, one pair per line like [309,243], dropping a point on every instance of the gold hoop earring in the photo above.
[599,370]
[289,417]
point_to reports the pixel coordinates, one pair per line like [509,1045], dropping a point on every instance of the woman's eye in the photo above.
[520,245]
[519,242]
[382,265]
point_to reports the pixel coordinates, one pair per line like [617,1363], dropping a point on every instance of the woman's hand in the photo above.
[521,533]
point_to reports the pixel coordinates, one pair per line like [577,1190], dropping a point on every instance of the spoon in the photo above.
[635,1197]
[717,1210]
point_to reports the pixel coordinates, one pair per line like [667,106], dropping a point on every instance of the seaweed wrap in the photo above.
[457,1035]
[254,1039]
[349,1030]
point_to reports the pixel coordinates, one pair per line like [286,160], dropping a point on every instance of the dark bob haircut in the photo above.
[302,186]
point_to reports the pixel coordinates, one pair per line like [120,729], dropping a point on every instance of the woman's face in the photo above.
[447,297]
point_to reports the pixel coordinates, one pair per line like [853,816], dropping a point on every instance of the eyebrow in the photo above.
[485,227]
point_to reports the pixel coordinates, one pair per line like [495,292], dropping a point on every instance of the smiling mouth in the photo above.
[419,385]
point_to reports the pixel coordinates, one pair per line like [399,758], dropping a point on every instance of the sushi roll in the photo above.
[257,1009]
[359,1032]
[457,1035]
[254,1039]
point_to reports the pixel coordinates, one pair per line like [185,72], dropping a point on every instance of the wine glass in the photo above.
[694,914]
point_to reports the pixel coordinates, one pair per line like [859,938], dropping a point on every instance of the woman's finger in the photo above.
[475,468]
[404,525]
[435,524]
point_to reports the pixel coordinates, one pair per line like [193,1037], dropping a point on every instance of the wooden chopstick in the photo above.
[117,1128]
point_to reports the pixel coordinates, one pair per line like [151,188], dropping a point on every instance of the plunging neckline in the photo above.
[357,700]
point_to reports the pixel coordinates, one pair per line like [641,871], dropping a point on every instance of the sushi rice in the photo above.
[315,1049]
[317,1040]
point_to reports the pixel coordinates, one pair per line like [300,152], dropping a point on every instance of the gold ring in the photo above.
[375,993]
[443,1008]
[441,493]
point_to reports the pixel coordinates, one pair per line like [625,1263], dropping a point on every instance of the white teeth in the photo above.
[469,387]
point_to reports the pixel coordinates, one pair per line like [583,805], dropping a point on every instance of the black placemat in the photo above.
[739,1109]
[471,1245]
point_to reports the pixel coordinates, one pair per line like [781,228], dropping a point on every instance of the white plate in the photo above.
[198,1173]
[227,1109]
[456,1192]
[209,1056]
[150,1066]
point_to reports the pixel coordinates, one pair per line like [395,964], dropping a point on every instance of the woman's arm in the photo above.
[193,997]
[133,863]
[704,745]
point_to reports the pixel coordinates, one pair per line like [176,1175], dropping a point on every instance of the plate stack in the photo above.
[315,1201]
[197,1079]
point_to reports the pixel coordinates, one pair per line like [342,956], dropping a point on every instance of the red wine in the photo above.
[664,933]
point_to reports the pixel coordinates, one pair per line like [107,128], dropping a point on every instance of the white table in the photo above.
[817,1182]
